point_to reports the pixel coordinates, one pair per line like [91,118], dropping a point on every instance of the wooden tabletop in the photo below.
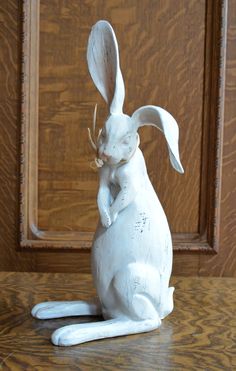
[198,335]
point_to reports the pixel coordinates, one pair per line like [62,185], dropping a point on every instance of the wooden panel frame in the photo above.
[208,237]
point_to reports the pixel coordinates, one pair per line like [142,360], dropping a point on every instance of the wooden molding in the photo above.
[208,236]
[213,120]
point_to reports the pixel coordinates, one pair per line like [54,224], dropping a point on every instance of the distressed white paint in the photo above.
[132,247]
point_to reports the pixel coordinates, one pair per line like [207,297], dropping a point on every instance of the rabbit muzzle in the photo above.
[105,156]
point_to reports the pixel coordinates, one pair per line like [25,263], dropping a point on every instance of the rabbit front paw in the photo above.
[113,216]
[105,219]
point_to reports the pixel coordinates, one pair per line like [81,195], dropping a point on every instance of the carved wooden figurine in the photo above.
[132,247]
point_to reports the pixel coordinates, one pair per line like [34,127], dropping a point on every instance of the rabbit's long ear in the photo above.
[104,66]
[161,119]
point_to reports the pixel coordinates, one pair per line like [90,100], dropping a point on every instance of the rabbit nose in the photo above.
[106,155]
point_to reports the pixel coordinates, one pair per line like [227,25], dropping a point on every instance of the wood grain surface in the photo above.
[198,335]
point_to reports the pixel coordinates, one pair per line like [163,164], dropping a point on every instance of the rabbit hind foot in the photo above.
[81,333]
[59,309]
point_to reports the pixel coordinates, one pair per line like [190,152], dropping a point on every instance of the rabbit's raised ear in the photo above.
[104,66]
[161,119]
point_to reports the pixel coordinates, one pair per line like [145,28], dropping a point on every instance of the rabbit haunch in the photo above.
[132,247]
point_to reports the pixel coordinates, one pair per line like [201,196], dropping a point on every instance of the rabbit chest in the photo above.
[112,179]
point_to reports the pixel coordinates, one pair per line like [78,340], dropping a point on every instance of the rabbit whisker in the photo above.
[94,146]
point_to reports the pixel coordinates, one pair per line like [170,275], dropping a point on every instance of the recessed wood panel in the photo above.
[162,64]
[15,259]
[166,50]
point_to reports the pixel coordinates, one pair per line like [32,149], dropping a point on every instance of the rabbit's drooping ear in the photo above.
[104,66]
[161,119]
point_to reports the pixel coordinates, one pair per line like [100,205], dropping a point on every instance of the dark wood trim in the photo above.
[213,116]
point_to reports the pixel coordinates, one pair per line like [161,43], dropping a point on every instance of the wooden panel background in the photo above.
[13,258]
[58,186]
[162,64]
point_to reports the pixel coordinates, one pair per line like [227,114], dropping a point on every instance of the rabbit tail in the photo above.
[167,302]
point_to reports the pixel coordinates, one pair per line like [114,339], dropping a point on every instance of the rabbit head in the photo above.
[117,143]
[118,139]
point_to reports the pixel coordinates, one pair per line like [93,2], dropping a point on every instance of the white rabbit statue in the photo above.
[132,247]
